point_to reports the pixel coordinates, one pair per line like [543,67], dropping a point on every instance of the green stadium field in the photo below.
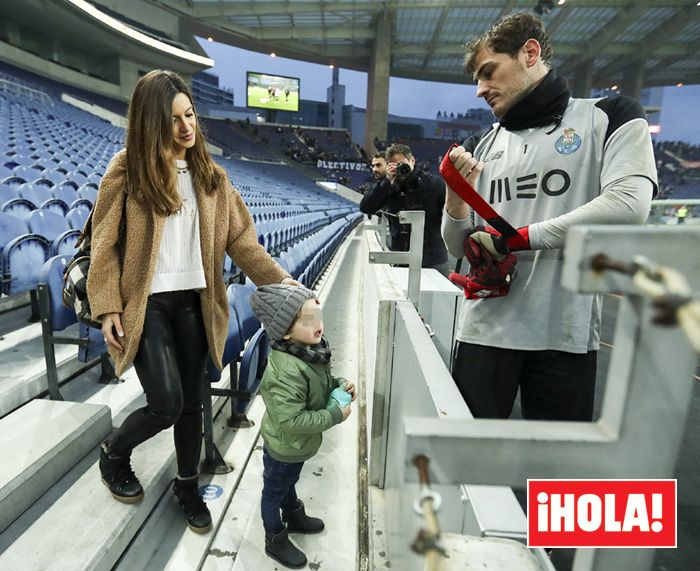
[258,97]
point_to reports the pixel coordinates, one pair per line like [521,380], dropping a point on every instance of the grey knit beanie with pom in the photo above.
[277,305]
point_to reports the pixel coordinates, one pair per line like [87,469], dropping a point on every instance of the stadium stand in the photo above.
[225,134]
[51,159]
[678,165]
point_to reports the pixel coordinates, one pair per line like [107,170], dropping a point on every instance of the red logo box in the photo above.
[601,513]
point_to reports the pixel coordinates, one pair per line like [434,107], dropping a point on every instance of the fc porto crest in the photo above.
[569,142]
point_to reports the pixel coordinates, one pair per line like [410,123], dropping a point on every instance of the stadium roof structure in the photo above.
[427,39]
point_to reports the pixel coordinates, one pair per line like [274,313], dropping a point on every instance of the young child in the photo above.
[296,387]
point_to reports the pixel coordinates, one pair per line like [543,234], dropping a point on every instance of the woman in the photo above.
[164,217]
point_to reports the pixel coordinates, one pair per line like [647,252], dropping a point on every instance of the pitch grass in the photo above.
[258,97]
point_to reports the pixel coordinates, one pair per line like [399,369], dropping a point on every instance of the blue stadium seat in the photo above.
[25,173]
[62,168]
[47,224]
[77,177]
[64,244]
[5,172]
[76,217]
[22,259]
[11,227]
[54,316]
[43,181]
[13,180]
[253,365]
[248,323]
[65,193]
[7,193]
[19,207]
[88,193]
[35,195]
[55,205]
[55,228]
[52,274]
[81,203]
[233,345]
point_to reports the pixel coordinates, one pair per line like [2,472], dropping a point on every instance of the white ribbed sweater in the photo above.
[179,263]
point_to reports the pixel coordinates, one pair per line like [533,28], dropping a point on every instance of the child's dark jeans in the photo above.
[278,492]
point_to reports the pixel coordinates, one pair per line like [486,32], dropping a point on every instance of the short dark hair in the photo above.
[399,149]
[380,155]
[507,35]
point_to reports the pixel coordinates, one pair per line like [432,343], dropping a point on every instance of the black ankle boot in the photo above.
[297,520]
[196,511]
[118,476]
[281,549]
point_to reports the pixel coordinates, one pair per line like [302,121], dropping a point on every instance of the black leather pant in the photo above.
[170,365]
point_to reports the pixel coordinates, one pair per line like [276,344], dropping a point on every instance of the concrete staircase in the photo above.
[39,443]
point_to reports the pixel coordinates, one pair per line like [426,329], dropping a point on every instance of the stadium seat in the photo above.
[55,205]
[56,317]
[51,274]
[248,323]
[11,227]
[19,207]
[88,193]
[13,180]
[47,224]
[65,193]
[7,193]
[76,217]
[233,345]
[81,203]
[22,259]
[5,172]
[34,194]
[253,365]
[76,177]
[55,228]
[43,181]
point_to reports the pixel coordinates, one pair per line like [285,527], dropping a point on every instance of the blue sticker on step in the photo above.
[210,491]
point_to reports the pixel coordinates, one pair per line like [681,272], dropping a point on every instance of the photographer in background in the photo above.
[404,188]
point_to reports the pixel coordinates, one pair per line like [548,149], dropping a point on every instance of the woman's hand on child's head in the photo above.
[291,281]
[350,389]
[346,412]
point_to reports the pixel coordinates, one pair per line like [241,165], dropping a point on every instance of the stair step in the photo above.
[100,527]
[39,443]
[103,528]
[166,543]
[23,374]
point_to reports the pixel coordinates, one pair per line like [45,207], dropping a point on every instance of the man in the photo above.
[681,213]
[379,165]
[404,188]
[549,163]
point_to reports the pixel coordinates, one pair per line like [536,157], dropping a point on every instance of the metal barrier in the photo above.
[25,92]
[413,258]
[665,212]
[645,402]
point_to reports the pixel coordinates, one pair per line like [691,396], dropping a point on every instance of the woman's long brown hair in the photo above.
[150,155]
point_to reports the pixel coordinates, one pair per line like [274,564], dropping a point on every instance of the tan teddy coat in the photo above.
[116,286]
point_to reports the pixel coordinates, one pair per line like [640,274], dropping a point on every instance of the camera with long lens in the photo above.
[403,170]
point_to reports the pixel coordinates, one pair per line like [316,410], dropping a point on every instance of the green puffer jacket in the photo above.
[295,394]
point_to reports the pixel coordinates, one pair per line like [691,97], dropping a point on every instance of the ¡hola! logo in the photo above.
[601,513]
